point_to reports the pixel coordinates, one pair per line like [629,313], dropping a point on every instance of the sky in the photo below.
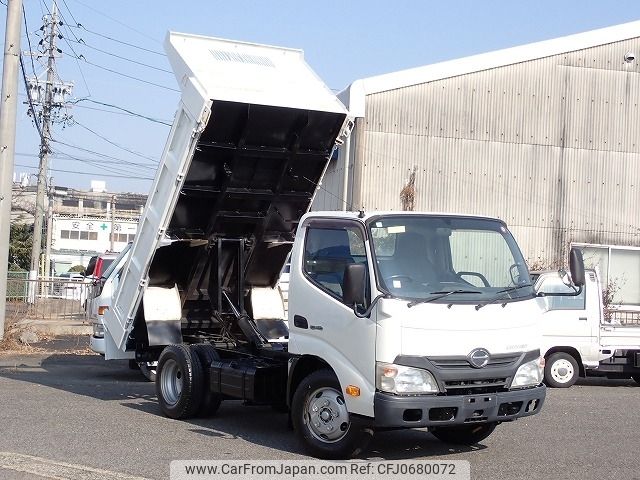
[124,95]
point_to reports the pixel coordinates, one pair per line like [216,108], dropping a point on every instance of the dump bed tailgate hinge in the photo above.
[347,127]
[128,323]
[202,123]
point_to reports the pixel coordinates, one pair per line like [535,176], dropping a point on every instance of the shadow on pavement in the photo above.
[87,375]
[263,426]
[91,376]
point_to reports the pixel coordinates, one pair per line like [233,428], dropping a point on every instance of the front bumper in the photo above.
[392,411]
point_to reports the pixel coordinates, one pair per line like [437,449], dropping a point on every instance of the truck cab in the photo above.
[577,337]
[426,320]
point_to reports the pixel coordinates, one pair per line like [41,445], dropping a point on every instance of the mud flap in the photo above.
[162,314]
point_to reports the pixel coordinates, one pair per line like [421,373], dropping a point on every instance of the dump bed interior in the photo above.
[268,126]
[253,175]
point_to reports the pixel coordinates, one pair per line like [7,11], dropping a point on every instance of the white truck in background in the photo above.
[577,339]
[395,319]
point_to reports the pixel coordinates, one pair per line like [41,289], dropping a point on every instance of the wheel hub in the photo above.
[171,382]
[562,371]
[327,415]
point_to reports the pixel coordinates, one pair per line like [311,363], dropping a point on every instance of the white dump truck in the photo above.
[395,319]
[577,339]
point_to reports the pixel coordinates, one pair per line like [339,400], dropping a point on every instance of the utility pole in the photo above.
[113,222]
[44,147]
[8,109]
[47,250]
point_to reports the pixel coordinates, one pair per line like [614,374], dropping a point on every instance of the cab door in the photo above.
[320,323]
[567,321]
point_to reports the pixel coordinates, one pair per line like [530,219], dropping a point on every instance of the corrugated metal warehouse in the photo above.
[545,136]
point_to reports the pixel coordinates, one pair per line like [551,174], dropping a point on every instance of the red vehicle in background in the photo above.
[98,264]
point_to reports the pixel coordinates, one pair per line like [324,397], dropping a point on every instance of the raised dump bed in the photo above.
[252,136]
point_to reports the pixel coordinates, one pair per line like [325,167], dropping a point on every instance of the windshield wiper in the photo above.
[501,295]
[437,295]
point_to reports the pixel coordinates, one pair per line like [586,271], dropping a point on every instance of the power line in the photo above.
[121,163]
[82,42]
[106,37]
[96,163]
[33,110]
[124,112]
[129,112]
[69,10]
[26,31]
[87,173]
[60,155]
[82,57]
[117,21]
[102,154]
[115,144]
[84,80]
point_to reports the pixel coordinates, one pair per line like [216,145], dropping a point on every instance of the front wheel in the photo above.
[561,370]
[321,420]
[465,435]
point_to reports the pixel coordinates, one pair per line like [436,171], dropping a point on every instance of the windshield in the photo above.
[425,257]
[114,263]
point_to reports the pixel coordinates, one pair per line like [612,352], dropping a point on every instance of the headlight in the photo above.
[404,380]
[529,374]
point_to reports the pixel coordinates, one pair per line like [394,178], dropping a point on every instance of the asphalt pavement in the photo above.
[82,417]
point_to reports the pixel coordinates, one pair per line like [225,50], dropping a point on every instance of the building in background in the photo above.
[83,223]
[545,136]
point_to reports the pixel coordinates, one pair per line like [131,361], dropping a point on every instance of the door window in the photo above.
[556,285]
[328,251]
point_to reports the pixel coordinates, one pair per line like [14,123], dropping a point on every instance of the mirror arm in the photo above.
[367,312]
[577,291]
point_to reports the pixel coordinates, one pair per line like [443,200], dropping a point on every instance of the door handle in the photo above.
[584,319]
[300,322]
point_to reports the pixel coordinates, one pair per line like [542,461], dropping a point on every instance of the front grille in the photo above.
[457,363]
[474,387]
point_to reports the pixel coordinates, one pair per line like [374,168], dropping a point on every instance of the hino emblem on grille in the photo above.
[478,358]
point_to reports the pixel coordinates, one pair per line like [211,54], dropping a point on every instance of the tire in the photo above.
[346,439]
[561,370]
[149,370]
[464,435]
[636,378]
[179,382]
[206,353]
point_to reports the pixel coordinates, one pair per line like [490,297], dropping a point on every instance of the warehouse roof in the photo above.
[353,95]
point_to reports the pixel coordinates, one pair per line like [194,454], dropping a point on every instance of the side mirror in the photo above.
[576,266]
[354,284]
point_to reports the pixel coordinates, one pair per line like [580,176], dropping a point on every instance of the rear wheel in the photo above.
[465,435]
[179,382]
[561,370]
[206,353]
[321,419]
[636,378]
